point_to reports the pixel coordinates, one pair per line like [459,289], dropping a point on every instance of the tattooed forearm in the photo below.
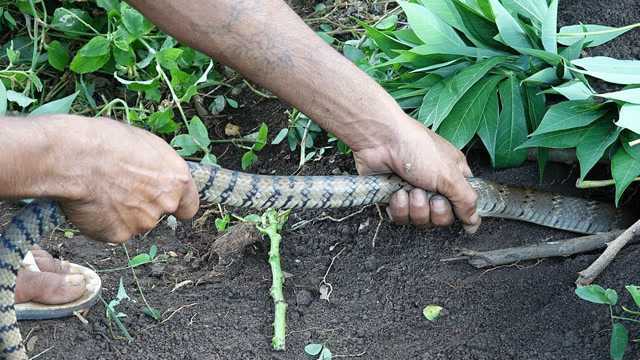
[270,45]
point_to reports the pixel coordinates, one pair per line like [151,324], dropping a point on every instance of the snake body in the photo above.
[236,189]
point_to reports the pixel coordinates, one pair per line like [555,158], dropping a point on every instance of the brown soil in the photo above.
[527,311]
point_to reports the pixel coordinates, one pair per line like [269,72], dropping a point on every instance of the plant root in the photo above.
[588,275]
[556,248]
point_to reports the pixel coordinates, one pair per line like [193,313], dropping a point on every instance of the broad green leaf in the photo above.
[388,23]
[407,36]
[625,168]
[574,90]
[60,106]
[139,259]
[92,56]
[199,133]
[562,139]
[593,293]
[545,76]
[70,20]
[429,102]
[488,128]
[132,20]
[624,72]
[385,42]
[248,159]
[3,99]
[21,99]
[627,137]
[209,159]
[122,40]
[548,57]
[124,58]
[536,106]
[478,26]
[446,11]
[634,291]
[435,109]
[619,341]
[512,125]
[630,117]
[593,143]
[465,117]
[162,122]
[594,35]
[261,139]
[533,9]
[167,58]
[282,134]
[432,312]
[549,28]
[57,55]
[574,51]
[570,114]
[449,49]
[185,145]
[485,8]
[313,349]
[109,5]
[428,27]
[510,30]
[629,96]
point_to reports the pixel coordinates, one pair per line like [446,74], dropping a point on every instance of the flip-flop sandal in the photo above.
[37,311]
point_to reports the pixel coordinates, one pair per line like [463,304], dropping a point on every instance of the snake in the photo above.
[218,185]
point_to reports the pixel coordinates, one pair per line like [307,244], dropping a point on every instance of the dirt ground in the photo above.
[527,311]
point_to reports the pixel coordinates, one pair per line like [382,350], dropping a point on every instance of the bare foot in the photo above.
[52,285]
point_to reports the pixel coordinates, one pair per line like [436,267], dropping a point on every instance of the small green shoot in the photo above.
[318,352]
[222,223]
[432,312]
[144,258]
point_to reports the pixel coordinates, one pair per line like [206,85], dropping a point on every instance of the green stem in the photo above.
[590,184]
[280,315]
[625,319]
[600,32]
[135,278]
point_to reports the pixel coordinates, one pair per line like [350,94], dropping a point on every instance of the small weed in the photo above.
[318,352]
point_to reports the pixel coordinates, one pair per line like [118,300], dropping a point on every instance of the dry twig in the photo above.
[588,275]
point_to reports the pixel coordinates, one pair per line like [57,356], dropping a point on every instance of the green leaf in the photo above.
[385,42]
[593,293]
[432,312]
[533,9]
[625,168]
[512,125]
[388,23]
[634,291]
[570,114]
[550,27]
[574,90]
[221,223]
[488,128]
[545,76]
[619,341]
[429,27]
[139,260]
[153,251]
[630,96]
[21,99]
[282,134]
[536,107]
[209,159]
[593,143]
[109,5]
[57,55]
[624,72]
[132,20]
[574,51]
[462,123]
[313,349]
[630,117]
[3,99]
[478,26]
[248,159]
[231,102]
[92,56]
[199,133]
[67,20]
[152,313]
[162,122]
[546,56]
[593,35]
[510,30]
[60,106]
[437,106]
[261,139]
[185,145]
[167,58]
[448,49]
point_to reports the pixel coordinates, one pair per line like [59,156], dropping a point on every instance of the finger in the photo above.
[48,288]
[189,202]
[398,209]
[463,199]
[46,263]
[419,212]
[441,212]
[465,169]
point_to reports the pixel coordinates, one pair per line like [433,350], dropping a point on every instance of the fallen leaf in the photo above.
[232,130]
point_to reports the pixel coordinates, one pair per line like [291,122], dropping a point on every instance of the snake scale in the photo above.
[236,189]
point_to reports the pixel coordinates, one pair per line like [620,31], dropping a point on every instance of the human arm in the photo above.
[112,180]
[269,44]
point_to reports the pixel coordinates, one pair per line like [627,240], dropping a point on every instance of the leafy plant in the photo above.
[619,333]
[501,72]
[144,258]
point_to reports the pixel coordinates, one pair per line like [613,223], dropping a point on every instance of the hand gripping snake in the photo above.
[236,189]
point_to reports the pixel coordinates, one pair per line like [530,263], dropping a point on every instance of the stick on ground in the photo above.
[482,259]
[588,275]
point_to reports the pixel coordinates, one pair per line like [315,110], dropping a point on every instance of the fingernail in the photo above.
[74,280]
[438,203]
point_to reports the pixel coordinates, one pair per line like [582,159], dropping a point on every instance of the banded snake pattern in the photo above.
[236,189]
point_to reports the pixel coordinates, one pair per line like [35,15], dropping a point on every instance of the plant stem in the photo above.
[590,184]
[135,277]
[280,316]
